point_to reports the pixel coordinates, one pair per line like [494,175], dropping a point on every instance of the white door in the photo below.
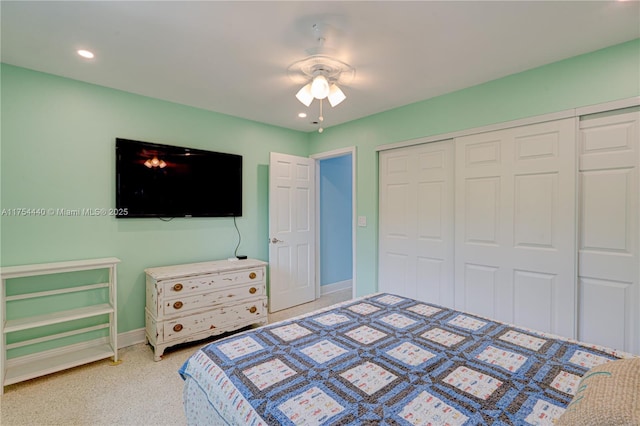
[416,222]
[515,225]
[608,246]
[291,231]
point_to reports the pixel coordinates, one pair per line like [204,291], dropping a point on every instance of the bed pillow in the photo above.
[608,394]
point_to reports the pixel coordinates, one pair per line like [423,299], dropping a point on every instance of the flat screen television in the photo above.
[164,181]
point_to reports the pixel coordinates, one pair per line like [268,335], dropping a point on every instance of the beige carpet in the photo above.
[139,391]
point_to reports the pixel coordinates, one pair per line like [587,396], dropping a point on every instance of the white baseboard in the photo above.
[130,338]
[338,286]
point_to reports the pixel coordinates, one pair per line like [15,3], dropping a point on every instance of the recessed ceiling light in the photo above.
[302,114]
[86,54]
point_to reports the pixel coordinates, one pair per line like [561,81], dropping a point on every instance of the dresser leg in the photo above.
[158,351]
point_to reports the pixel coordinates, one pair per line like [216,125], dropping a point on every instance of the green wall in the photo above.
[58,151]
[601,76]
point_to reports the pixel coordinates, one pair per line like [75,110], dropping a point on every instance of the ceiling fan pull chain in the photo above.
[321,118]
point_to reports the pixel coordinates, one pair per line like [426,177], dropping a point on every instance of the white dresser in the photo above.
[197,300]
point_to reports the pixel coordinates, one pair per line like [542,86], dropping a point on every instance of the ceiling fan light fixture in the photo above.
[304,95]
[335,95]
[320,74]
[320,87]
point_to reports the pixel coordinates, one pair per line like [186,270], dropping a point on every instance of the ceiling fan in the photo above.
[321,74]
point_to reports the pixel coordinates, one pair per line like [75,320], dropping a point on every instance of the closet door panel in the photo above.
[608,265]
[481,289]
[515,215]
[606,198]
[430,198]
[394,277]
[482,215]
[534,301]
[399,207]
[430,274]
[482,284]
[483,153]
[536,200]
[399,240]
[416,222]
[544,172]
[434,245]
[606,312]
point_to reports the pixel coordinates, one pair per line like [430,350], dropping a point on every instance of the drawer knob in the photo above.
[177,327]
[177,287]
[252,290]
[177,305]
[253,309]
[252,275]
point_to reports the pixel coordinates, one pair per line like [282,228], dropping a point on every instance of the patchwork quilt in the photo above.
[389,360]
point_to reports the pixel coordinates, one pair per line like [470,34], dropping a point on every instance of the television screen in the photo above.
[154,180]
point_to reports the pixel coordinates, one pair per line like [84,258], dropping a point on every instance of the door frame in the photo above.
[326,156]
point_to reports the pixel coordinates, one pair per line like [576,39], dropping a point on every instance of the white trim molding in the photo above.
[130,338]
[608,106]
[335,287]
[325,156]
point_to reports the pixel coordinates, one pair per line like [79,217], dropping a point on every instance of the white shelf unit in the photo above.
[27,367]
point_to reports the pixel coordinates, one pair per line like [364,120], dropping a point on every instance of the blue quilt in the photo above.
[391,360]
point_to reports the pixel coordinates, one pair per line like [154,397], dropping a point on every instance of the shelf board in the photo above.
[8,272]
[28,370]
[76,289]
[57,317]
[74,332]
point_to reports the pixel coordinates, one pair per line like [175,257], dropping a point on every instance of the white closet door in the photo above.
[515,225]
[608,251]
[416,222]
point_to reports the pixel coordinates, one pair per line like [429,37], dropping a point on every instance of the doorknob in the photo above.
[275,240]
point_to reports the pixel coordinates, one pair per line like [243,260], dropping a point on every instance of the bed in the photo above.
[386,359]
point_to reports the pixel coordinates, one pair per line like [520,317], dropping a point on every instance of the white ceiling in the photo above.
[232,57]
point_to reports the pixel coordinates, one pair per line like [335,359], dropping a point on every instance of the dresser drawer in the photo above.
[198,284]
[185,302]
[215,318]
